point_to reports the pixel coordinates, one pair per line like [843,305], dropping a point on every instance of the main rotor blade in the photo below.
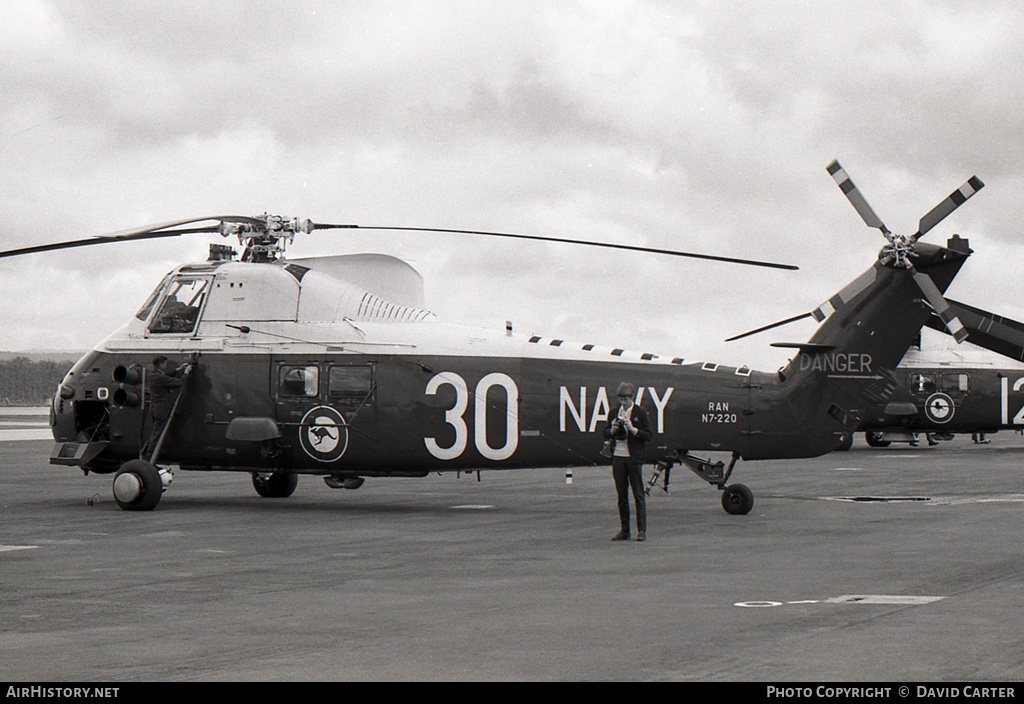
[159,231]
[940,306]
[847,186]
[769,327]
[70,244]
[148,232]
[634,248]
[177,223]
[954,201]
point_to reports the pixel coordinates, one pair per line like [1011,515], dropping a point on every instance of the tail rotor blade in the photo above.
[954,201]
[836,302]
[940,306]
[847,186]
[849,292]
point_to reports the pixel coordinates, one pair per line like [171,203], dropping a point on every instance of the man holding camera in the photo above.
[629,429]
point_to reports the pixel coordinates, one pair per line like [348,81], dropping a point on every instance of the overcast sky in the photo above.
[698,126]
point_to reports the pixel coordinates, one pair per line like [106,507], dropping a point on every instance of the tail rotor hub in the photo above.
[897,252]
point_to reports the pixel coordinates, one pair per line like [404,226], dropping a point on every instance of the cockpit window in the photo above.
[180,308]
[147,307]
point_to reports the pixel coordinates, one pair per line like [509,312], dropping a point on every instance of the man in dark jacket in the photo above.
[630,429]
[164,386]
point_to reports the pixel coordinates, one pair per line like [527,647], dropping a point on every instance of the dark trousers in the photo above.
[628,475]
[158,423]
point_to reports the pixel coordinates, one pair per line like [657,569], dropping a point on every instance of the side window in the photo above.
[350,386]
[955,383]
[298,382]
[179,311]
[922,383]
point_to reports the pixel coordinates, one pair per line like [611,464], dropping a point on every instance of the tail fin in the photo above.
[868,328]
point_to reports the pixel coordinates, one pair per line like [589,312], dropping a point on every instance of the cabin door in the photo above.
[327,411]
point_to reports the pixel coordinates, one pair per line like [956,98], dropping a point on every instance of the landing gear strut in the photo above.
[737,499]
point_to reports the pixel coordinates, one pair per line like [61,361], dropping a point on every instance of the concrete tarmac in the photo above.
[895,565]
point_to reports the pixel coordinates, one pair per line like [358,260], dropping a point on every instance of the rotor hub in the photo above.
[264,238]
[897,252]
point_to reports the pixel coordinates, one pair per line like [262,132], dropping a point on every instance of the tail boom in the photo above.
[848,364]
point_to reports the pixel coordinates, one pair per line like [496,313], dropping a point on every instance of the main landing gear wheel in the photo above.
[274,486]
[737,499]
[138,486]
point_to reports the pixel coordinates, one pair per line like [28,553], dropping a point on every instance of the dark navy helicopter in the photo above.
[335,368]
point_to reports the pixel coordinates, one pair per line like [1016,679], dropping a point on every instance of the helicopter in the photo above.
[335,369]
[941,396]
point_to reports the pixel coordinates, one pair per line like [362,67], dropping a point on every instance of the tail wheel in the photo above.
[138,486]
[344,482]
[874,438]
[274,486]
[737,499]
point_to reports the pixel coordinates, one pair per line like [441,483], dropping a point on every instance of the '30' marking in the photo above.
[454,416]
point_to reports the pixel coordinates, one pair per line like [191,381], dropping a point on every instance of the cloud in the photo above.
[703,127]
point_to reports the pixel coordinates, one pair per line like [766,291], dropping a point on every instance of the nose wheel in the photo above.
[138,486]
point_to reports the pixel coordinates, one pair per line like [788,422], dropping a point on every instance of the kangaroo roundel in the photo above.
[939,407]
[323,434]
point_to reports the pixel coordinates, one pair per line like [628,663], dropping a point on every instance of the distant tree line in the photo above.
[27,382]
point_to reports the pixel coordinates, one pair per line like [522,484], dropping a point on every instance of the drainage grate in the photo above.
[878,499]
[901,599]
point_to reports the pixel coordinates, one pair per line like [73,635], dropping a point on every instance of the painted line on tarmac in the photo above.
[472,507]
[24,410]
[25,434]
[11,548]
